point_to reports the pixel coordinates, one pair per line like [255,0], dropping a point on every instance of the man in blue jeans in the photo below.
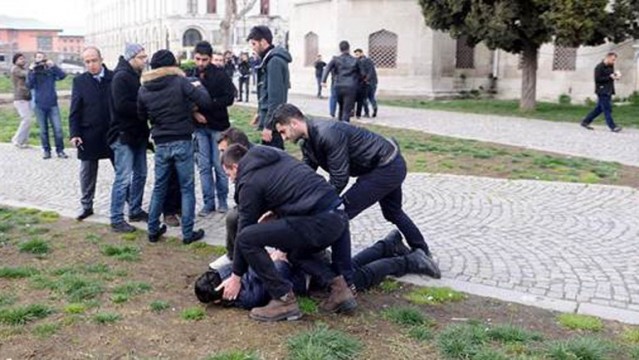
[605,77]
[166,98]
[43,74]
[211,123]
[128,138]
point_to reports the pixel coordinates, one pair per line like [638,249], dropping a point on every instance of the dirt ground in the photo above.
[171,268]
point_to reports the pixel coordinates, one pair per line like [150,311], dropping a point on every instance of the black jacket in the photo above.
[166,98]
[244,68]
[124,106]
[229,68]
[273,83]
[222,93]
[344,150]
[90,115]
[604,84]
[319,68]
[347,71]
[368,67]
[270,179]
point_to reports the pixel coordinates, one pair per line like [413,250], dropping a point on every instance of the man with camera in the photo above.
[43,74]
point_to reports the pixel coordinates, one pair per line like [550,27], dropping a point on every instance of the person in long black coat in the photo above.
[89,119]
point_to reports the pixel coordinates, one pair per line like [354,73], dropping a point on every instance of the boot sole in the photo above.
[291,316]
[347,307]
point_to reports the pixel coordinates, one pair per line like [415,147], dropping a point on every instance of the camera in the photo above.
[40,65]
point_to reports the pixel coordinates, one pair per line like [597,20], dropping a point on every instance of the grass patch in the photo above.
[159,305]
[307,305]
[234,355]
[25,314]
[204,249]
[93,238]
[193,314]
[36,246]
[512,334]
[323,343]
[580,322]
[75,308]
[406,316]
[124,292]
[106,318]
[130,236]
[434,295]
[46,330]
[461,341]
[125,253]
[579,348]
[420,333]
[6,300]
[631,335]
[17,272]
[389,286]
[49,216]
[75,287]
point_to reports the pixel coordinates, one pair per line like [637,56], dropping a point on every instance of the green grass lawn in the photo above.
[7,87]
[624,115]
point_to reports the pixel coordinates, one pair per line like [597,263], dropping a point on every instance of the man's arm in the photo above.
[327,70]
[19,72]
[75,111]
[124,102]
[250,208]
[142,110]
[227,93]
[197,94]
[31,80]
[335,146]
[57,72]
[601,75]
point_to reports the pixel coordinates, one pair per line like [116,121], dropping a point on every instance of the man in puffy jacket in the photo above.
[345,150]
[346,80]
[166,98]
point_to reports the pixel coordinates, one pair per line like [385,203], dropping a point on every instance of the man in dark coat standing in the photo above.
[89,119]
[605,77]
[347,78]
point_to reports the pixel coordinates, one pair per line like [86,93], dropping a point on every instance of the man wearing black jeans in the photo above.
[344,150]
[346,81]
[605,76]
[283,204]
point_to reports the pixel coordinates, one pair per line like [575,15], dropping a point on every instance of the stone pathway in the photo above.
[568,247]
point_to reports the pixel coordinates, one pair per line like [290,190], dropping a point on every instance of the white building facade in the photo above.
[175,24]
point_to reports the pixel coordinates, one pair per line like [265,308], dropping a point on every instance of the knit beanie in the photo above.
[163,58]
[131,50]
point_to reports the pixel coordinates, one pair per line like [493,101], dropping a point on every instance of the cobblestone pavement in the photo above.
[568,247]
[557,137]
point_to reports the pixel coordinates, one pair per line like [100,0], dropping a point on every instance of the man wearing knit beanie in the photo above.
[163,58]
[132,49]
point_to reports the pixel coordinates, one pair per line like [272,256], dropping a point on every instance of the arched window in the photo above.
[382,49]
[191,37]
[311,45]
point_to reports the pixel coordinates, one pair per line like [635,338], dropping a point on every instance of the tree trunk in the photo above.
[228,23]
[529,79]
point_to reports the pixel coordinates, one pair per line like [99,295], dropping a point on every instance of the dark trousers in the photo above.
[319,85]
[373,264]
[232,218]
[88,178]
[361,101]
[346,101]
[604,105]
[276,141]
[384,185]
[295,235]
[243,83]
[173,199]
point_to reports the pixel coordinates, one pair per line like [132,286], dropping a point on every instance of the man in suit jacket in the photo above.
[89,119]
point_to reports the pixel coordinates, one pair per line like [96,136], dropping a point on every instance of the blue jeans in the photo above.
[604,105]
[180,155]
[130,177]
[208,161]
[43,116]
[332,102]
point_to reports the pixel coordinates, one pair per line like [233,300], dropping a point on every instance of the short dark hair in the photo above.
[234,136]
[359,51]
[203,48]
[344,46]
[16,56]
[260,32]
[612,54]
[285,112]
[233,154]
[205,287]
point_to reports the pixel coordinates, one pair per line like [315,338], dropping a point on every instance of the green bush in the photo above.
[565,99]
[25,314]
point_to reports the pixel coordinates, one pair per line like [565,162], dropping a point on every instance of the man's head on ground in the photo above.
[232,136]
[203,54]
[205,287]
[344,46]
[19,60]
[290,122]
[163,58]
[610,58]
[136,56]
[231,158]
[92,59]
[260,38]
[358,53]
[218,59]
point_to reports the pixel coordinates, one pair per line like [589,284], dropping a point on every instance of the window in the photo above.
[382,48]
[64,49]
[191,37]
[2,58]
[211,6]
[564,58]
[264,7]
[191,7]
[45,43]
[464,54]
[311,42]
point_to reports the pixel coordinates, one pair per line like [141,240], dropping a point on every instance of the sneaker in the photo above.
[197,235]
[84,214]
[220,262]
[171,220]
[587,126]
[47,155]
[156,237]
[205,212]
[420,263]
[62,155]
[617,129]
[122,227]
[141,216]
[284,308]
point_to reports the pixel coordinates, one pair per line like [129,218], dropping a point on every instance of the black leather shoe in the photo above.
[46,155]
[587,126]
[420,263]
[122,227]
[84,214]
[395,237]
[156,237]
[616,129]
[197,235]
[62,155]
[141,216]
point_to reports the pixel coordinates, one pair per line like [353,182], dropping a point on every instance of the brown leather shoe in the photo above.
[284,308]
[341,298]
